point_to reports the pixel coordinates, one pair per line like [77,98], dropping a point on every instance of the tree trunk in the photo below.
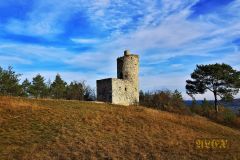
[215,102]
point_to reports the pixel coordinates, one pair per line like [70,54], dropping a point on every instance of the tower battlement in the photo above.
[123,89]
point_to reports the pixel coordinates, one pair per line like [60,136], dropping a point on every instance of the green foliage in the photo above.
[206,109]
[220,79]
[225,116]
[76,90]
[177,99]
[38,89]
[26,88]
[229,116]
[164,100]
[80,91]
[58,87]
[9,82]
[194,107]
[194,103]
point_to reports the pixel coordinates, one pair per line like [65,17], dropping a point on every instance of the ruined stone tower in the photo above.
[123,89]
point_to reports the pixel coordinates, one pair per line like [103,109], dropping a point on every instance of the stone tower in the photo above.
[123,89]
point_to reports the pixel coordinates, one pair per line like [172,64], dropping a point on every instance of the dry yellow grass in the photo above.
[51,129]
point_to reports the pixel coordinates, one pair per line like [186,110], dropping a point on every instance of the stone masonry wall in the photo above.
[123,92]
[104,90]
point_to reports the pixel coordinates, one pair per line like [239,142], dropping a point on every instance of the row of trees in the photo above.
[38,88]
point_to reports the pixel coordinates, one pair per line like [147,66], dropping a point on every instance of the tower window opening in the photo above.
[125,88]
[121,75]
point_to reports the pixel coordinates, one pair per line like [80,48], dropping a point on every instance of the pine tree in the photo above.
[205,103]
[26,88]
[177,95]
[177,99]
[221,79]
[38,87]
[58,87]
[76,91]
[9,82]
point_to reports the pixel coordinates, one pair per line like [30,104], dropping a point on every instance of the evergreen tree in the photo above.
[9,82]
[38,87]
[220,79]
[177,99]
[76,90]
[194,103]
[58,87]
[26,88]
[177,95]
[205,107]
[205,103]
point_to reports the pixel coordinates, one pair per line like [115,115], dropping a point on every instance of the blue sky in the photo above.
[82,39]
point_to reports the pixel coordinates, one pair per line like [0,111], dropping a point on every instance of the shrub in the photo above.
[224,116]
[229,116]
[205,109]
[164,100]
[236,122]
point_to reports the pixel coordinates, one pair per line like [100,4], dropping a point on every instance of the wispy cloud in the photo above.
[84,40]
[9,60]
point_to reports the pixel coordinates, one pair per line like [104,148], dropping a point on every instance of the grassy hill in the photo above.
[51,129]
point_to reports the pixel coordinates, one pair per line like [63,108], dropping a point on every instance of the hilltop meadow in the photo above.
[61,129]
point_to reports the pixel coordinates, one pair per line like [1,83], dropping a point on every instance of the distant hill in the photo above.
[60,129]
[234,105]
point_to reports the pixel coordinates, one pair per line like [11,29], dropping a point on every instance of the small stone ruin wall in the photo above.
[104,90]
[123,92]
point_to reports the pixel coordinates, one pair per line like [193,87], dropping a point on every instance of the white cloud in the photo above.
[84,40]
[9,60]
[46,18]
[33,27]
[34,51]
[177,65]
